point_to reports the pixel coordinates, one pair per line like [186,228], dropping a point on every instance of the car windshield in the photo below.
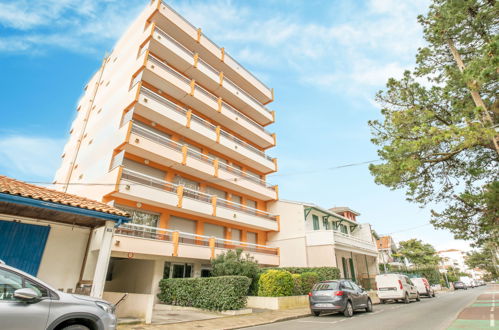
[326,286]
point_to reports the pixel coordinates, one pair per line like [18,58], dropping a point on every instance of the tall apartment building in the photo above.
[172,129]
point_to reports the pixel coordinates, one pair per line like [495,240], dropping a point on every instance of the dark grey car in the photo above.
[339,296]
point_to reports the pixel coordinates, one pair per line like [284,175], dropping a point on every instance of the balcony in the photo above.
[168,114]
[193,39]
[341,241]
[146,143]
[149,190]
[194,67]
[142,239]
[166,78]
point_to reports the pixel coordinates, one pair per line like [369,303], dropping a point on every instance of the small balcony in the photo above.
[166,78]
[341,241]
[143,188]
[148,144]
[142,239]
[159,109]
[191,65]
[193,39]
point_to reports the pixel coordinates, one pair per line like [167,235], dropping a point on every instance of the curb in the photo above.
[280,319]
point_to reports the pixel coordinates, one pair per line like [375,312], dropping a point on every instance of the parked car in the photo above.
[339,296]
[28,303]
[423,286]
[396,287]
[458,285]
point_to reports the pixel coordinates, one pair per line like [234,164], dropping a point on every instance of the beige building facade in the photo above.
[172,130]
[311,236]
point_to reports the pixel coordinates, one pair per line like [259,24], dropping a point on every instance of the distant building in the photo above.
[312,236]
[387,249]
[453,258]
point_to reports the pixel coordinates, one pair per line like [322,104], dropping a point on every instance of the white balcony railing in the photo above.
[150,181]
[183,112]
[153,136]
[325,237]
[210,95]
[347,239]
[162,234]
[240,66]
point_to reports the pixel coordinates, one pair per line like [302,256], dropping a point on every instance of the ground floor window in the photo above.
[177,270]
[205,273]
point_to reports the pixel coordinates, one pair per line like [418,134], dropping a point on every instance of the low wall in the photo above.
[276,303]
[136,305]
[374,297]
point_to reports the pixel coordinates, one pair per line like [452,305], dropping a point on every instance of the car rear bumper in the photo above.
[324,306]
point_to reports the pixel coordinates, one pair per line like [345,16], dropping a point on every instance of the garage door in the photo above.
[22,245]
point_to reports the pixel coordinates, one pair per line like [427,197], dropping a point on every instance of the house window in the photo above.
[325,223]
[315,220]
[343,229]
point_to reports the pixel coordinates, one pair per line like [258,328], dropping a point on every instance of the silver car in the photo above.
[26,303]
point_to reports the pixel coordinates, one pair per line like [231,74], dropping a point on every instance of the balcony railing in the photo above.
[346,238]
[207,93]
[183,111]
[189,53]
[242,67]
[192,194]
[153,136]
[167,235]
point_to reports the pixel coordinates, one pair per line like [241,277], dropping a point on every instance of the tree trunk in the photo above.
[474,93]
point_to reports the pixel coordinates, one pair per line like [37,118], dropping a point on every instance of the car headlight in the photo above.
[105,307]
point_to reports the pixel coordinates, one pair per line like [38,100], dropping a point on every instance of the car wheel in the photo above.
[75,327]
[383,301]
[315,313]
[433,294]
[406,299]
[369,306]
[348,312]
[418,298]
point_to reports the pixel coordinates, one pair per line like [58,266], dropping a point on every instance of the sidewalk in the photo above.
[482,314]
[229,322]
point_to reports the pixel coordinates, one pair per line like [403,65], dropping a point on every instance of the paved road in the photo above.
[429,314]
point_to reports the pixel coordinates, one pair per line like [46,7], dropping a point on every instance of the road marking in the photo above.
[492,321]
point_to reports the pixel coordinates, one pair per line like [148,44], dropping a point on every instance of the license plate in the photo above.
[324,305]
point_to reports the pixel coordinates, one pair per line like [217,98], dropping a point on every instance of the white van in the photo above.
[396,287]
[423,286]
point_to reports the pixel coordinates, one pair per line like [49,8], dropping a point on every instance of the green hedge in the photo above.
[276,283]
[212,293]
[323,273]
[308,279]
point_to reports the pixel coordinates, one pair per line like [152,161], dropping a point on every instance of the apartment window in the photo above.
[217,192]
[214,230]
[251,203]
[236,199]
[235,235]
[251,237]
[142,218]
[315,222]
[182,225]
[190,184]
[343,229]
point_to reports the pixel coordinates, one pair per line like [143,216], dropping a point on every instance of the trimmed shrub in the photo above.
[234,263]
[276,283]
[297,284]
[323,273]
[212,293]
[308,279]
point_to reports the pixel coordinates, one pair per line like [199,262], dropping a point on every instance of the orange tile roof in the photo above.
[384,242]
[23,189]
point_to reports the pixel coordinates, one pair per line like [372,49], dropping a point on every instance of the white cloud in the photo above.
[88,26]
[30,156]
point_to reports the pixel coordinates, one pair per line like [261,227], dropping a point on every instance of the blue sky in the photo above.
[325,60]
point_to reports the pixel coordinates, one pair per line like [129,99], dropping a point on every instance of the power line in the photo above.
[215,179]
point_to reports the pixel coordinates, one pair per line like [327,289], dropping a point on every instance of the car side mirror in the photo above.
[26,294]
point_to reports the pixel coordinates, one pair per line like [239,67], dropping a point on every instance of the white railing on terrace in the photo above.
[212,69]
[153,136]
[147,180]
[207,93]
[162,234]
[200,120]
[365,243]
